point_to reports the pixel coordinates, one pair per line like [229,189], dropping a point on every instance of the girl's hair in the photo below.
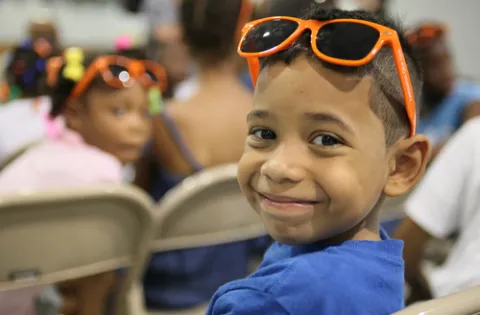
[63,87]
[25,71]
[124,47]
[209,27]
[138,53]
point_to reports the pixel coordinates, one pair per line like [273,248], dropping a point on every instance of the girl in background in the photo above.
[204,131]
[104,102]
[24,91]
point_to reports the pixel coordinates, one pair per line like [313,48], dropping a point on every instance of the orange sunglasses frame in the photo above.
[136,68]
[388,36]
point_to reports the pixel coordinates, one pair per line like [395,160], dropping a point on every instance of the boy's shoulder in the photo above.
[346,279]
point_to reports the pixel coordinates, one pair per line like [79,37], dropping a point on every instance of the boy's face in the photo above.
[315,162]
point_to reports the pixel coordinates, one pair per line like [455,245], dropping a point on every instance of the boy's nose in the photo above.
[283,169]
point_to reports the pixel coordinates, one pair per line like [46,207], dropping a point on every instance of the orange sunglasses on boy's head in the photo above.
[268,36]
[116,71]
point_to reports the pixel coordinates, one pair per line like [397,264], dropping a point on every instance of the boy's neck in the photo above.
[367,230]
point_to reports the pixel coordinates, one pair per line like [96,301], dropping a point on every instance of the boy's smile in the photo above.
[315,162]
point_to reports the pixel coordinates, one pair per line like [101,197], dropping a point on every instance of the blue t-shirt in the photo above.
[447,116]
[354,277]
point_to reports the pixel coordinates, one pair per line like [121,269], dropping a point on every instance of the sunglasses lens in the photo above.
[120,72]
[347,40]
[152,76]
[268,35]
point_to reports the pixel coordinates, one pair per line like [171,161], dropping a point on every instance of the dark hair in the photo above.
[386,96]
[26,69]
[296,8]
[138,53]
[209,28]
[63,88]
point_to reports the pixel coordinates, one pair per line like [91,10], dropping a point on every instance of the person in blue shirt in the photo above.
[448,100]
[328,139]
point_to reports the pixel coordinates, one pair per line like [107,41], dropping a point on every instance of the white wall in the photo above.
[463,19]
[85,25]
[99,25]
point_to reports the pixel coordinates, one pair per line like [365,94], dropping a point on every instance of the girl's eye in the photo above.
[119,111]
[264,134]
[326,140]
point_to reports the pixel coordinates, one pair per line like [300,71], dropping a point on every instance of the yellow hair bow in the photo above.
[74,68]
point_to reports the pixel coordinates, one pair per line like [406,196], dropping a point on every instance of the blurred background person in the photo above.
[448,100]
[204,131]
[166,45]
[445,206]
[22,117]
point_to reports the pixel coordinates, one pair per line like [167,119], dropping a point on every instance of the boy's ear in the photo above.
[74,114]
[407,165]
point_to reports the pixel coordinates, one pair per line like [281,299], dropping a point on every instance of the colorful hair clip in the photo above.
[53,127]
[155,101]
[123,43]
[28,77]
[15,92]
[41,65]
[74,68]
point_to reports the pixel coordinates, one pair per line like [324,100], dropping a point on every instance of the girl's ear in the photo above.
[75,115]
[409,159]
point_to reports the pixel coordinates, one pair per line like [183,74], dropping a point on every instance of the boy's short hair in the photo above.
[387,100]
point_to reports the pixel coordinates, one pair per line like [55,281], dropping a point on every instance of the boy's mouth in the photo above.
[287,202]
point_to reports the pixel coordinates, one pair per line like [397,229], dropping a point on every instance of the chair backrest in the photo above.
[60,235]
[466,302]
[207,208]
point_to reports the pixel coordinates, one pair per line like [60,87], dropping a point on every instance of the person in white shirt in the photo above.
[446,202]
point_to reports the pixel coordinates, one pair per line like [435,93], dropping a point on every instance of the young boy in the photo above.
[326,144]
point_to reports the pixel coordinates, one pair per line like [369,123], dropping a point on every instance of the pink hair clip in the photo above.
[53,127]
[123,43]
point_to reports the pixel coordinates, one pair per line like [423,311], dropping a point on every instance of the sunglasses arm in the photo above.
[254,67]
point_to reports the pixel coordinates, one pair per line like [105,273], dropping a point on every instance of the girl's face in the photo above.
[116,121]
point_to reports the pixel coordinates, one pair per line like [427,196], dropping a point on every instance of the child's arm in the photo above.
[415,239]
[435,207]
[245,301]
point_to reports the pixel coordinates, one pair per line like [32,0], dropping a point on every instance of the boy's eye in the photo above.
[326,140]
[264,134]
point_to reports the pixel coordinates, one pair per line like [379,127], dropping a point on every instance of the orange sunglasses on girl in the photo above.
[116,71]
